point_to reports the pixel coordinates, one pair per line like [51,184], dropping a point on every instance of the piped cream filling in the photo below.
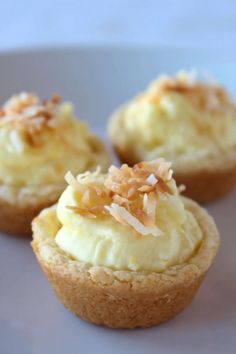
[105,241]
[169,124]
[43,156]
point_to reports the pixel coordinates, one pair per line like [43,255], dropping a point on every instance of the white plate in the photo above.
[32,320]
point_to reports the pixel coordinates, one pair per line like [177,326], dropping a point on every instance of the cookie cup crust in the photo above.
[123,298]
[206,180]
[19,206]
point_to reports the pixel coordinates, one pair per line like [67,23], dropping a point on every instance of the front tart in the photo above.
[125,250]
[39,142]
[189,122]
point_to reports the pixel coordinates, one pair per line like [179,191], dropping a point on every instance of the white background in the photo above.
[186,23]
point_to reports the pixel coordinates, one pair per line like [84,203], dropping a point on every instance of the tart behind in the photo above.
[39,141]
[189,122]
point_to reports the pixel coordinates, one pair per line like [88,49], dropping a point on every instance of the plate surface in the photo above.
[32,320]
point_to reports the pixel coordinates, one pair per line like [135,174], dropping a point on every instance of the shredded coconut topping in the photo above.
[123,216]
[72,181]
[129,195]
[152,180]
[26,111]
[206,97]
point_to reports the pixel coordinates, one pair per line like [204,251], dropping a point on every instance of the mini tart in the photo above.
[38,140]
[123,298]
[196,129]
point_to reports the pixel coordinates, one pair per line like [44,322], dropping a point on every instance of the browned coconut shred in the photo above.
[122,215]
[207,97]
[25,111]
[129,195]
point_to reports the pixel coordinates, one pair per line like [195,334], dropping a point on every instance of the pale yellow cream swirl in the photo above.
[178,118]
[39,153]
[104,241]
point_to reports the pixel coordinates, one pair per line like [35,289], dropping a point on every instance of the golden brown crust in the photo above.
[16,218]
[205,181]
[207,185]
[123,299]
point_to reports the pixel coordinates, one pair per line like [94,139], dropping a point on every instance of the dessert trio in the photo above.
[124,246]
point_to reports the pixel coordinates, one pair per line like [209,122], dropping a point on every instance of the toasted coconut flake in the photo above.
[131,192]
[25,111]
[206,96]
[98,210]
[82,212]
[113,170]
[122,215]
[169,174]
[72,181]
[146,189]
[152,180]
[121,200]
[86,197]
[112,210]
[149,206]
[130,195]
[145,202]
[164,169]
[163,187]
[98,191]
